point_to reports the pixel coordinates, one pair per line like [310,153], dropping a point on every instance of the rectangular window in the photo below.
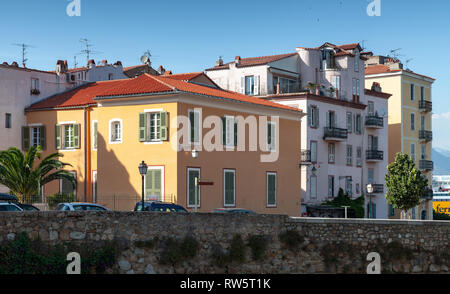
[331,150]
[349,154]
[422,93]
[423,152]
[349,186]
[271,136]
[331,119]
[249,85]
[413,152]
[313,151]
[412,92]
[349,122]
[313,187]
[356,63]
[357,188]
[371,108]
[68,136]
[192,174]
[94,186]
[372,142]
[370,176]
[66,188]
[34,84]
[229,187]
[35,136]
[153,126]
[313,116]
[154,184]
[94,134]
[194,120]
[271,189]
[336,82]
[358,156]
[358,124]
[330,186]
[229,131]
[8,121]
[422,122]
[69,141]
[116,131]
[413,121]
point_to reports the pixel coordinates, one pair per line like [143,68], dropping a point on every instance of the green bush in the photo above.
[344,200]
[177,251]
[237,249]
[291,239]
[55,199]
[258,245]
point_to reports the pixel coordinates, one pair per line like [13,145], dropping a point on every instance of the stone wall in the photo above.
[325,246]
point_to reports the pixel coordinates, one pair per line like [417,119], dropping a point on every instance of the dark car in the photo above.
[157,206]
[27,207]
[9,198]
[234,210]
[13,199]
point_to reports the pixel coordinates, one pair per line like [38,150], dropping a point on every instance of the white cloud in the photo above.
[445,115]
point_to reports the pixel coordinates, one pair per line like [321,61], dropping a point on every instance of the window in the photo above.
[349,186]
[370,176]
[229,187]
[422,122]
[194,120]
[153,126]
[413,152]
[349,154]
[192,174]
[413,121]
[284,85]
[330,186]
[313,187]
[357,188]
[154,184]
[331,119]
[33,136]
[371,108]
[412,92]
[336,83]
[313,151]
[355,89]
[423,152]
[358,124]
[8,122]
[358,156]
[313,116]
[94,134]
[356,62]
[331,150]
[372,143]
[391,210]
[349,122]
[422,93]
[94,186]
[271,189]
[327,59]
[34,84]
[229,131]
[249,85]
[66,188]
[115,131]
[68,136]
[271,136]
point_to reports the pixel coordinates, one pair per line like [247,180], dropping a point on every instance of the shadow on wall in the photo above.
[114,187]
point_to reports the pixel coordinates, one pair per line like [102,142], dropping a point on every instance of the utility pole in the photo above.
[88,51]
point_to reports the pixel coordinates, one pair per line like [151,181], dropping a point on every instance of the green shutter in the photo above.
[229,188]
[95,134]
[25,138]
[142,127]
[58,144]
[192,125]
[269,135]
[224,130]
[76,136]
[43,138]
[235,134]
[153,184]
[163,127]
[271,187]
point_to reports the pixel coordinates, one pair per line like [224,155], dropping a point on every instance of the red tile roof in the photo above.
[144,84]
[252,61]
[184,76]
[381,68]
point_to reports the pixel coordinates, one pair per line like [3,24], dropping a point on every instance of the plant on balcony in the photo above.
[332,91]
[35,92]
[405,183]
[312,87]
[344,200]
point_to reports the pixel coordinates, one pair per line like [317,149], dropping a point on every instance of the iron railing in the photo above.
[374,155]
[425,105]
[332,132]
[374,121]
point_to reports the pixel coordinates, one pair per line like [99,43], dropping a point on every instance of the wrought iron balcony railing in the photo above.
[426,106]
[425,135]
[374,122]
[426,165]
[335,133]
[372,155]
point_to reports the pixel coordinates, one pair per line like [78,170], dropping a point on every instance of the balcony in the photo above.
[425,136]
[306,157]
[378,189]
[426,165]
[374,122]
[425,106]
[335,134]
[374,155]
[428,194]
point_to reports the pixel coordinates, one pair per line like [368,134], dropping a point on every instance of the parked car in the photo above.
[27,207]
[233,210]
[7,197]
[9,207]
[78,206]
[158,206]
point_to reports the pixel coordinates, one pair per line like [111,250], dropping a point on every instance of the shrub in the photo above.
[55,199]
[258,245]
[291,239]
[177,251]
[237,249]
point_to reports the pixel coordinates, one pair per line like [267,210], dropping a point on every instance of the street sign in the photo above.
[204,182]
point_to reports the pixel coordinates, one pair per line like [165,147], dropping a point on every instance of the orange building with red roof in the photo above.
[248,148]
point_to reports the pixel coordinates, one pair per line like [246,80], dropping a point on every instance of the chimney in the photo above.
[118,63]
[237,60]
[14,64]
[376,87]
[91,63]
[161,70]
[61,66]
[219,62]
[5,63]
[168,73]
[104,62]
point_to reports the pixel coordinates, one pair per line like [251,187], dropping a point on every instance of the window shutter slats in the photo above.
[224,130]
[95,134]
[76,136]
[25,138]
[163,127]
[142,127]
[235,133]
[243,85]
[256,85]
[58,143]
[42,138]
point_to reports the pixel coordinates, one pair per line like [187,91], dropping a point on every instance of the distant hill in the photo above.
[441,159]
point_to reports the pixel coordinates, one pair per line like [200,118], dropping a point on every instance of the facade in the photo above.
[141,119]
[338,148]
[410,112]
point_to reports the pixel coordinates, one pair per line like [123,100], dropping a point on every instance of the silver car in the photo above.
[76,206]
[9,207]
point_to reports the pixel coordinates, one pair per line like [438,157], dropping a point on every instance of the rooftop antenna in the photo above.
[394,52]
[75,61]
[24,52]
[407,61]
[88,51]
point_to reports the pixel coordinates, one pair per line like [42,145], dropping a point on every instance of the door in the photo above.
[154,184]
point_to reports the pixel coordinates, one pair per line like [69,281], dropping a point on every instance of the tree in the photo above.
[17,171]
[344,200]
[405,183]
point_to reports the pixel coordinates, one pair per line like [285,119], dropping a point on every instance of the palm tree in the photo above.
[17,171]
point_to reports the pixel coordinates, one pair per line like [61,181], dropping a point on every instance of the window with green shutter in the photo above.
[271,189]
[95,134]
[25,138]
[153,185]
[271,136]
[229,187]
[194,121]
[193,173]
[154,126]
[67,136]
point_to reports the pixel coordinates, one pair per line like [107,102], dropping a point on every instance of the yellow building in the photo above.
[106,129]
[409,117]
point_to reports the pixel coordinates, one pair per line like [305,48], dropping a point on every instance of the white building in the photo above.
[344,137]
[20,87]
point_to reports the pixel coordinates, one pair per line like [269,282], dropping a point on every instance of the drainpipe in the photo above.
[87,151]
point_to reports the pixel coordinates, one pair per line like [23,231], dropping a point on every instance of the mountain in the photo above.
[441,159]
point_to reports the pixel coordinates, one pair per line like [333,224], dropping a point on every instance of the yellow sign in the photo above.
[442,207]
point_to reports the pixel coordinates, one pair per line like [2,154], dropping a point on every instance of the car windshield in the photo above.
[29,208]
[9,207]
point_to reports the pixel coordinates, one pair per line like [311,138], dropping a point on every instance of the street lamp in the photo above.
[143,171]
[194,154]
[370,191]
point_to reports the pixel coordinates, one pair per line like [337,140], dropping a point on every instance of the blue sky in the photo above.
[187,36]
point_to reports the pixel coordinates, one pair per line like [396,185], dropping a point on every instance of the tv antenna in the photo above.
[75,61]
[24,51]
[88,51]
[394,52]
[408,61]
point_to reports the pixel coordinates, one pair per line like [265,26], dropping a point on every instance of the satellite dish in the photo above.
[145,59]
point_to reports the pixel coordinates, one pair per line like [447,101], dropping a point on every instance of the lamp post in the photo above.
[143,171]
[195,156]
[370,191]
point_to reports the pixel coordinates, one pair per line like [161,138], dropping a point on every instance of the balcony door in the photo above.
[331,119]
[373,142]
[422,122]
